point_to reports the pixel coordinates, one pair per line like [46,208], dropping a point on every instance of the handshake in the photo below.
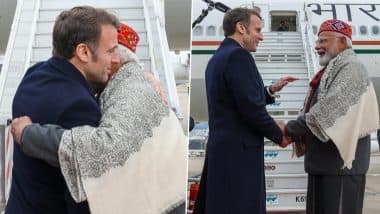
[285,139]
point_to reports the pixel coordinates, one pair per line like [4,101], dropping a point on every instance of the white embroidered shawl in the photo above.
[346,107]
[135,161]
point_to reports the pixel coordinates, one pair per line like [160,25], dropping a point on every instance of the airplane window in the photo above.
[221,31]
[211,31]
[363,30]
[198,31]
[315,29]
[375,30]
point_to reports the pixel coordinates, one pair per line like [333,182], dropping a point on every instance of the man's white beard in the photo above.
[325,59]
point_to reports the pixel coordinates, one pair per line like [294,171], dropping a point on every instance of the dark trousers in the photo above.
[334,194]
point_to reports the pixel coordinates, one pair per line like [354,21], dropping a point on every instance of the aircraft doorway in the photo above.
[283,21]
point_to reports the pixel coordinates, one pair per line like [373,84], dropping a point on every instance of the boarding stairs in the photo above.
[282,54]
[30,41]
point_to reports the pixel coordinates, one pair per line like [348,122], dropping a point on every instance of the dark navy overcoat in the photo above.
[53,92]
[233,175]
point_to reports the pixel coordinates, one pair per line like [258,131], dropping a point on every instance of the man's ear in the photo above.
[82,52]
[240,28]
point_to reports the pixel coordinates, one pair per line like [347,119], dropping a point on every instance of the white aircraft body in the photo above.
[303,17]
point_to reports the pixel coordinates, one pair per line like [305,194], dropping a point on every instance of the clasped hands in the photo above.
[285,139]
[282,82]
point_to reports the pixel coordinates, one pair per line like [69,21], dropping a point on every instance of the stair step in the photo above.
[290,100]
[145,62]
[286,181]
[136,24]
[274,33]
[289,92]
[284,167]
[280,46]
[281,65]
[278,54]
[266,35]
[286,104]
[279,57]
[130,12]
[58,4]
[45,39]
[281,40]
[286,199]
[284,209]
[295,88]
[279,111]
[279,51]
[291,96]
[276,153]
[284,118]
[282,71]
[47,27]
[43,53]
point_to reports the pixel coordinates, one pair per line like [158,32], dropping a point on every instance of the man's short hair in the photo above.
[80,25]
[232,17]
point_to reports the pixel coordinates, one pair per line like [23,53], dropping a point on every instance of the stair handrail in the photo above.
[159,51]
[308,40]
[9,51]
[11,46]
[302,27]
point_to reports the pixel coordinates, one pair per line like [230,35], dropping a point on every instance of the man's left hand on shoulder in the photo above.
[17,127]
[157,86]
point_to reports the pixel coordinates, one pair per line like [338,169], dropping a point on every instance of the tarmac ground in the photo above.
[372,191]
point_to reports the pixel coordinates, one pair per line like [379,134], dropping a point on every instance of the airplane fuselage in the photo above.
[363,16]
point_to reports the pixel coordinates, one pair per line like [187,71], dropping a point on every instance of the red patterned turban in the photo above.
[128,37]
[336,26]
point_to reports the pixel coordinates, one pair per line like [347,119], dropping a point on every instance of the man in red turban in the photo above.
[333,129]
[128,40]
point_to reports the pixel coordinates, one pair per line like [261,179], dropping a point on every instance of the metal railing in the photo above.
[6,163]
[159,51]
[308,39]
[18,52]
[2,167]
[9,50]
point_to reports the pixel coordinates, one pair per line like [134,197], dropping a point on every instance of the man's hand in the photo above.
[157,86]
[17,127]
[285,140]
[283,81]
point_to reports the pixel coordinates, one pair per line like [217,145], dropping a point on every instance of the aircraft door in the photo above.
[284,21]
